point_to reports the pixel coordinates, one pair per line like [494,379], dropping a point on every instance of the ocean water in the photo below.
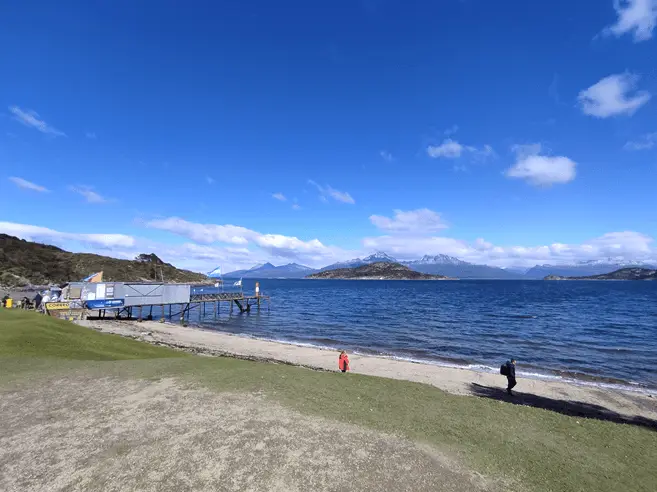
[590,332]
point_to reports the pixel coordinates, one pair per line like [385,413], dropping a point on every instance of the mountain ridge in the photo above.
[24,262]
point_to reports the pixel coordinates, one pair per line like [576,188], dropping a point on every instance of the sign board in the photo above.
[104,303]
[58,306]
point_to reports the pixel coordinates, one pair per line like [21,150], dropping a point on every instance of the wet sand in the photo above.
[561,396]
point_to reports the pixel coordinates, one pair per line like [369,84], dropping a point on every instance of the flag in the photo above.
[238,283]
[216,273]
[94,278]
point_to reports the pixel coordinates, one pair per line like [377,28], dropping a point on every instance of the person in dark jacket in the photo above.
[510,375]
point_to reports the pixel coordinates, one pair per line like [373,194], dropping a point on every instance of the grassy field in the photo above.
[541,450]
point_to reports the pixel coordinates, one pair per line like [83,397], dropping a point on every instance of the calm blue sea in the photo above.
[595,332]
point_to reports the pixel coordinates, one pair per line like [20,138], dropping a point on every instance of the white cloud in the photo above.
[326,192]
[204,233]
[644,142]
[624,245]
[296,206]
[31,119]
[89,195]
[421,221]
[451,130]
[612,96]
[28,185]
[386,156]
[637,16]
[270,246]
[451,149]
[209,180]
[90,135]
[280,197]
[539,169]
[50,236]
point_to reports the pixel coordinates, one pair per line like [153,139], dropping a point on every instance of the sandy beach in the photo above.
[607,403]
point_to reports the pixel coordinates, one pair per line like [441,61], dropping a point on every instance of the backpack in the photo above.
[504,370]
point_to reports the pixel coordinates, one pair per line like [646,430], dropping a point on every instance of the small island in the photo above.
[377,271]
[622,274]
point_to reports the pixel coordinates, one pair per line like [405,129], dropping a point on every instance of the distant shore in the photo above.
[454,380]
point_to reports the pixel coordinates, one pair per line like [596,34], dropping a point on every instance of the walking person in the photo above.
[343,361]
[508,369]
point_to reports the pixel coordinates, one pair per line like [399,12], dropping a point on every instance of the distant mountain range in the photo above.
[448,266]
[584,268]
[622,274]
[291,270]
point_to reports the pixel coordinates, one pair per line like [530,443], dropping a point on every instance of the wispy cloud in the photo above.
[91,135]
[43,234]
[420,221]
[451,130]
[279,196]
[31,118]
[386,156]
[644,142]
[612,96]
[27,185]
[636,16]
[451,149]
[541,170]
[209,179]
[88,193]
[326,192]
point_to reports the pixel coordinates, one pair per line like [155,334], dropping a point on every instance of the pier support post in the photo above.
[216,308]
[163,314]
[140,308]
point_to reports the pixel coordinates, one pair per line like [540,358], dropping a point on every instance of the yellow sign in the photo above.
[57,306]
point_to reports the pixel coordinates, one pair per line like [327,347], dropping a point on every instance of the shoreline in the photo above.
[578,379]
[456,380]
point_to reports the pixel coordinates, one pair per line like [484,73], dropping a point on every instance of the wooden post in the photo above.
[140,308]
[216,308]
[169,312]
[163,315]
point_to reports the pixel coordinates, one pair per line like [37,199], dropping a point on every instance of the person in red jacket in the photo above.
[343,361]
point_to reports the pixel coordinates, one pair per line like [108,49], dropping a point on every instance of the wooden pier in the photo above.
[182,312]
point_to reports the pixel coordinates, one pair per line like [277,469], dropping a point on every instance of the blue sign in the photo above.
[104,303]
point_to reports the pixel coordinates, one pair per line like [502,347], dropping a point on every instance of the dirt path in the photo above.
[84,433]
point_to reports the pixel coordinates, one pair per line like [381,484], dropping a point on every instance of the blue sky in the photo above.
[507,133]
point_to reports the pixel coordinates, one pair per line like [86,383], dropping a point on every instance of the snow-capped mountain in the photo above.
[379,256]
[437,265]
[455,267]
[437,260]
[267,270]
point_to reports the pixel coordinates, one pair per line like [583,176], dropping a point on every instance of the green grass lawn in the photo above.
[543,450]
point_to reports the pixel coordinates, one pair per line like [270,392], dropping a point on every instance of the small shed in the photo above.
[108,295]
